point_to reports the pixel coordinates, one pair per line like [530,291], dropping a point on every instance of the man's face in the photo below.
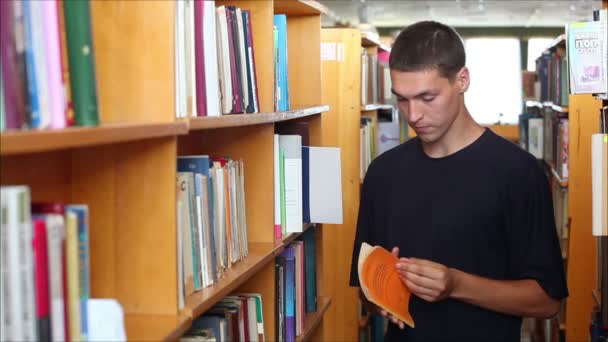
[430,102]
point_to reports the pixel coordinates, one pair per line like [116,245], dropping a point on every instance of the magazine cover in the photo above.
[586,47]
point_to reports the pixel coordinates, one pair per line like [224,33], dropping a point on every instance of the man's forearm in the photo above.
[514,297]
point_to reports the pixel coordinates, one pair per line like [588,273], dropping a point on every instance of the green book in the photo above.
[282,176]
[81,61]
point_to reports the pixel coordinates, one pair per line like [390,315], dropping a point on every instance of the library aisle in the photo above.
[193,170]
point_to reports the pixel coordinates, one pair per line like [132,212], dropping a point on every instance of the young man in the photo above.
[469,213]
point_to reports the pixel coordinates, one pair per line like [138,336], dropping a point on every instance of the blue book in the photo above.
[280,21]
[218,325]
[310,280]
[290,293]
[30,66]
[82,212]
[201,164]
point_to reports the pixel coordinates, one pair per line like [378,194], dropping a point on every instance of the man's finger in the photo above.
[422,270]
[419,290]
[426,263]
[395,251]
[421,281]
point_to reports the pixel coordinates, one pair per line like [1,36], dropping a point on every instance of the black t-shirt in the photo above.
[485,210]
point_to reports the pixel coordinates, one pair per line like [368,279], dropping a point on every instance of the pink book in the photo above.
[201,98]
[41,277]
[53,63]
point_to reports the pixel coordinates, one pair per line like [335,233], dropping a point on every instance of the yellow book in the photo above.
[72,275]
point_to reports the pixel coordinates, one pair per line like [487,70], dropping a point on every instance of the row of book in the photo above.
[45,269]
[296,287]
[375,79]
[47,67]
[238,317]
[546,136]
[367,142]
[212,223]
[307,181]
[215,60]
[552,74]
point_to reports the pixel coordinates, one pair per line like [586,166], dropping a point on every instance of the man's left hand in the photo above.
[426,279]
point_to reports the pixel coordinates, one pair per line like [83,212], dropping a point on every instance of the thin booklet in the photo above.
[381,284]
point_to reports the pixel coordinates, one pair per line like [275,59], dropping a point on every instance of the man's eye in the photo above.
[428,99]
[401,99]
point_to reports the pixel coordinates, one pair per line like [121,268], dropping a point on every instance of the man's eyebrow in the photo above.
[422,94]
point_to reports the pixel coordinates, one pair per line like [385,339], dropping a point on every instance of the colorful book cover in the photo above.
[13,98]
[53,64]
[41,276]
[65,66]
[31,67]
[73,284]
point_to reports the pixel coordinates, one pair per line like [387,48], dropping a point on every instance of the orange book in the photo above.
[381,284]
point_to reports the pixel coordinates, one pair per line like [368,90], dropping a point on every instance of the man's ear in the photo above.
[463,79]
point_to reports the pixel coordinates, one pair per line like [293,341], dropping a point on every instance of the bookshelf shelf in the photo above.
[156,327]
[555,107]
[260,254]
[368,40]
[236,120]
[374,106]
[312,320]
[562,182]
[559,40]
[291,237]
[18,142]
[300,7]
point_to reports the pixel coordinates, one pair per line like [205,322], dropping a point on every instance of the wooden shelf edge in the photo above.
[562,182]
[301,7]
[33,141]
[148,327]
[368,40]
[260,254]
[236,120]
[597,297]
[557,108]
[374,106]
[292,236]
[313,319]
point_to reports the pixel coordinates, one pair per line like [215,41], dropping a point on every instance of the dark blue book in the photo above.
[308,237]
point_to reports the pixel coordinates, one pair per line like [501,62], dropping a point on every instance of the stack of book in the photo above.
[296,288]
[238,317]
[368,144]
[45,269]
[48,68]
[212,224]
[370,82]
[552,70]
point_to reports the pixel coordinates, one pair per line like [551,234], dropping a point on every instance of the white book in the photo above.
[207,229]
[599,177]
[242,206]
[190,60]
[220,214]
[236,233]
[39,48]
[535,137]
[252,320]
[277,188]
[292,147]
[180,60]
[224,60]
[185,226]
[211,62]
[55,229]
[325,185]
[243,59]
[200,235]
[21,293]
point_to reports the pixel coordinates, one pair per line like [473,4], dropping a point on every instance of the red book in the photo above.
[199,51]
[48,208]
[41,277]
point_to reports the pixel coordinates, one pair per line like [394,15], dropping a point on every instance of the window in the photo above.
[495,93]
[536,46]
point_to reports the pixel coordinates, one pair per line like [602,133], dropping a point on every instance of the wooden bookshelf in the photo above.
[313,319]
[19,142]
[368,40]
[156,327]
[236,120]
[125,169]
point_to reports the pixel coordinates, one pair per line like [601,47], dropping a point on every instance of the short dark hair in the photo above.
[428,45]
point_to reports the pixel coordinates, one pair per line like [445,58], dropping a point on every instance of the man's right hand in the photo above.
[390,317]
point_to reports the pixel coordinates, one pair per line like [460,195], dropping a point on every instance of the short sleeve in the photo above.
[532,240]
[364,229]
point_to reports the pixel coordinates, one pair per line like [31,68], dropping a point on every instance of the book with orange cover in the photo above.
[381,284]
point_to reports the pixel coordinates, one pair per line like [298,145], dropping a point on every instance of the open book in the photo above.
[381,284]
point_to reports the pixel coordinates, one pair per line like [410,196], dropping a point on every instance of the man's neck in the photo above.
[463,132]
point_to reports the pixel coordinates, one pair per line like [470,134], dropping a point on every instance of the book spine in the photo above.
[40,56]
[65,66]
[199,46]
[5,271]
[31,67]
[56,238]
[41,275]
[81,60]
[53,64]
[13,100]
[20,44]
[72,275]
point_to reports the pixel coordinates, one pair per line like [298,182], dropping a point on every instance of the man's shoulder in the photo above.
[508,157]
[399,154]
